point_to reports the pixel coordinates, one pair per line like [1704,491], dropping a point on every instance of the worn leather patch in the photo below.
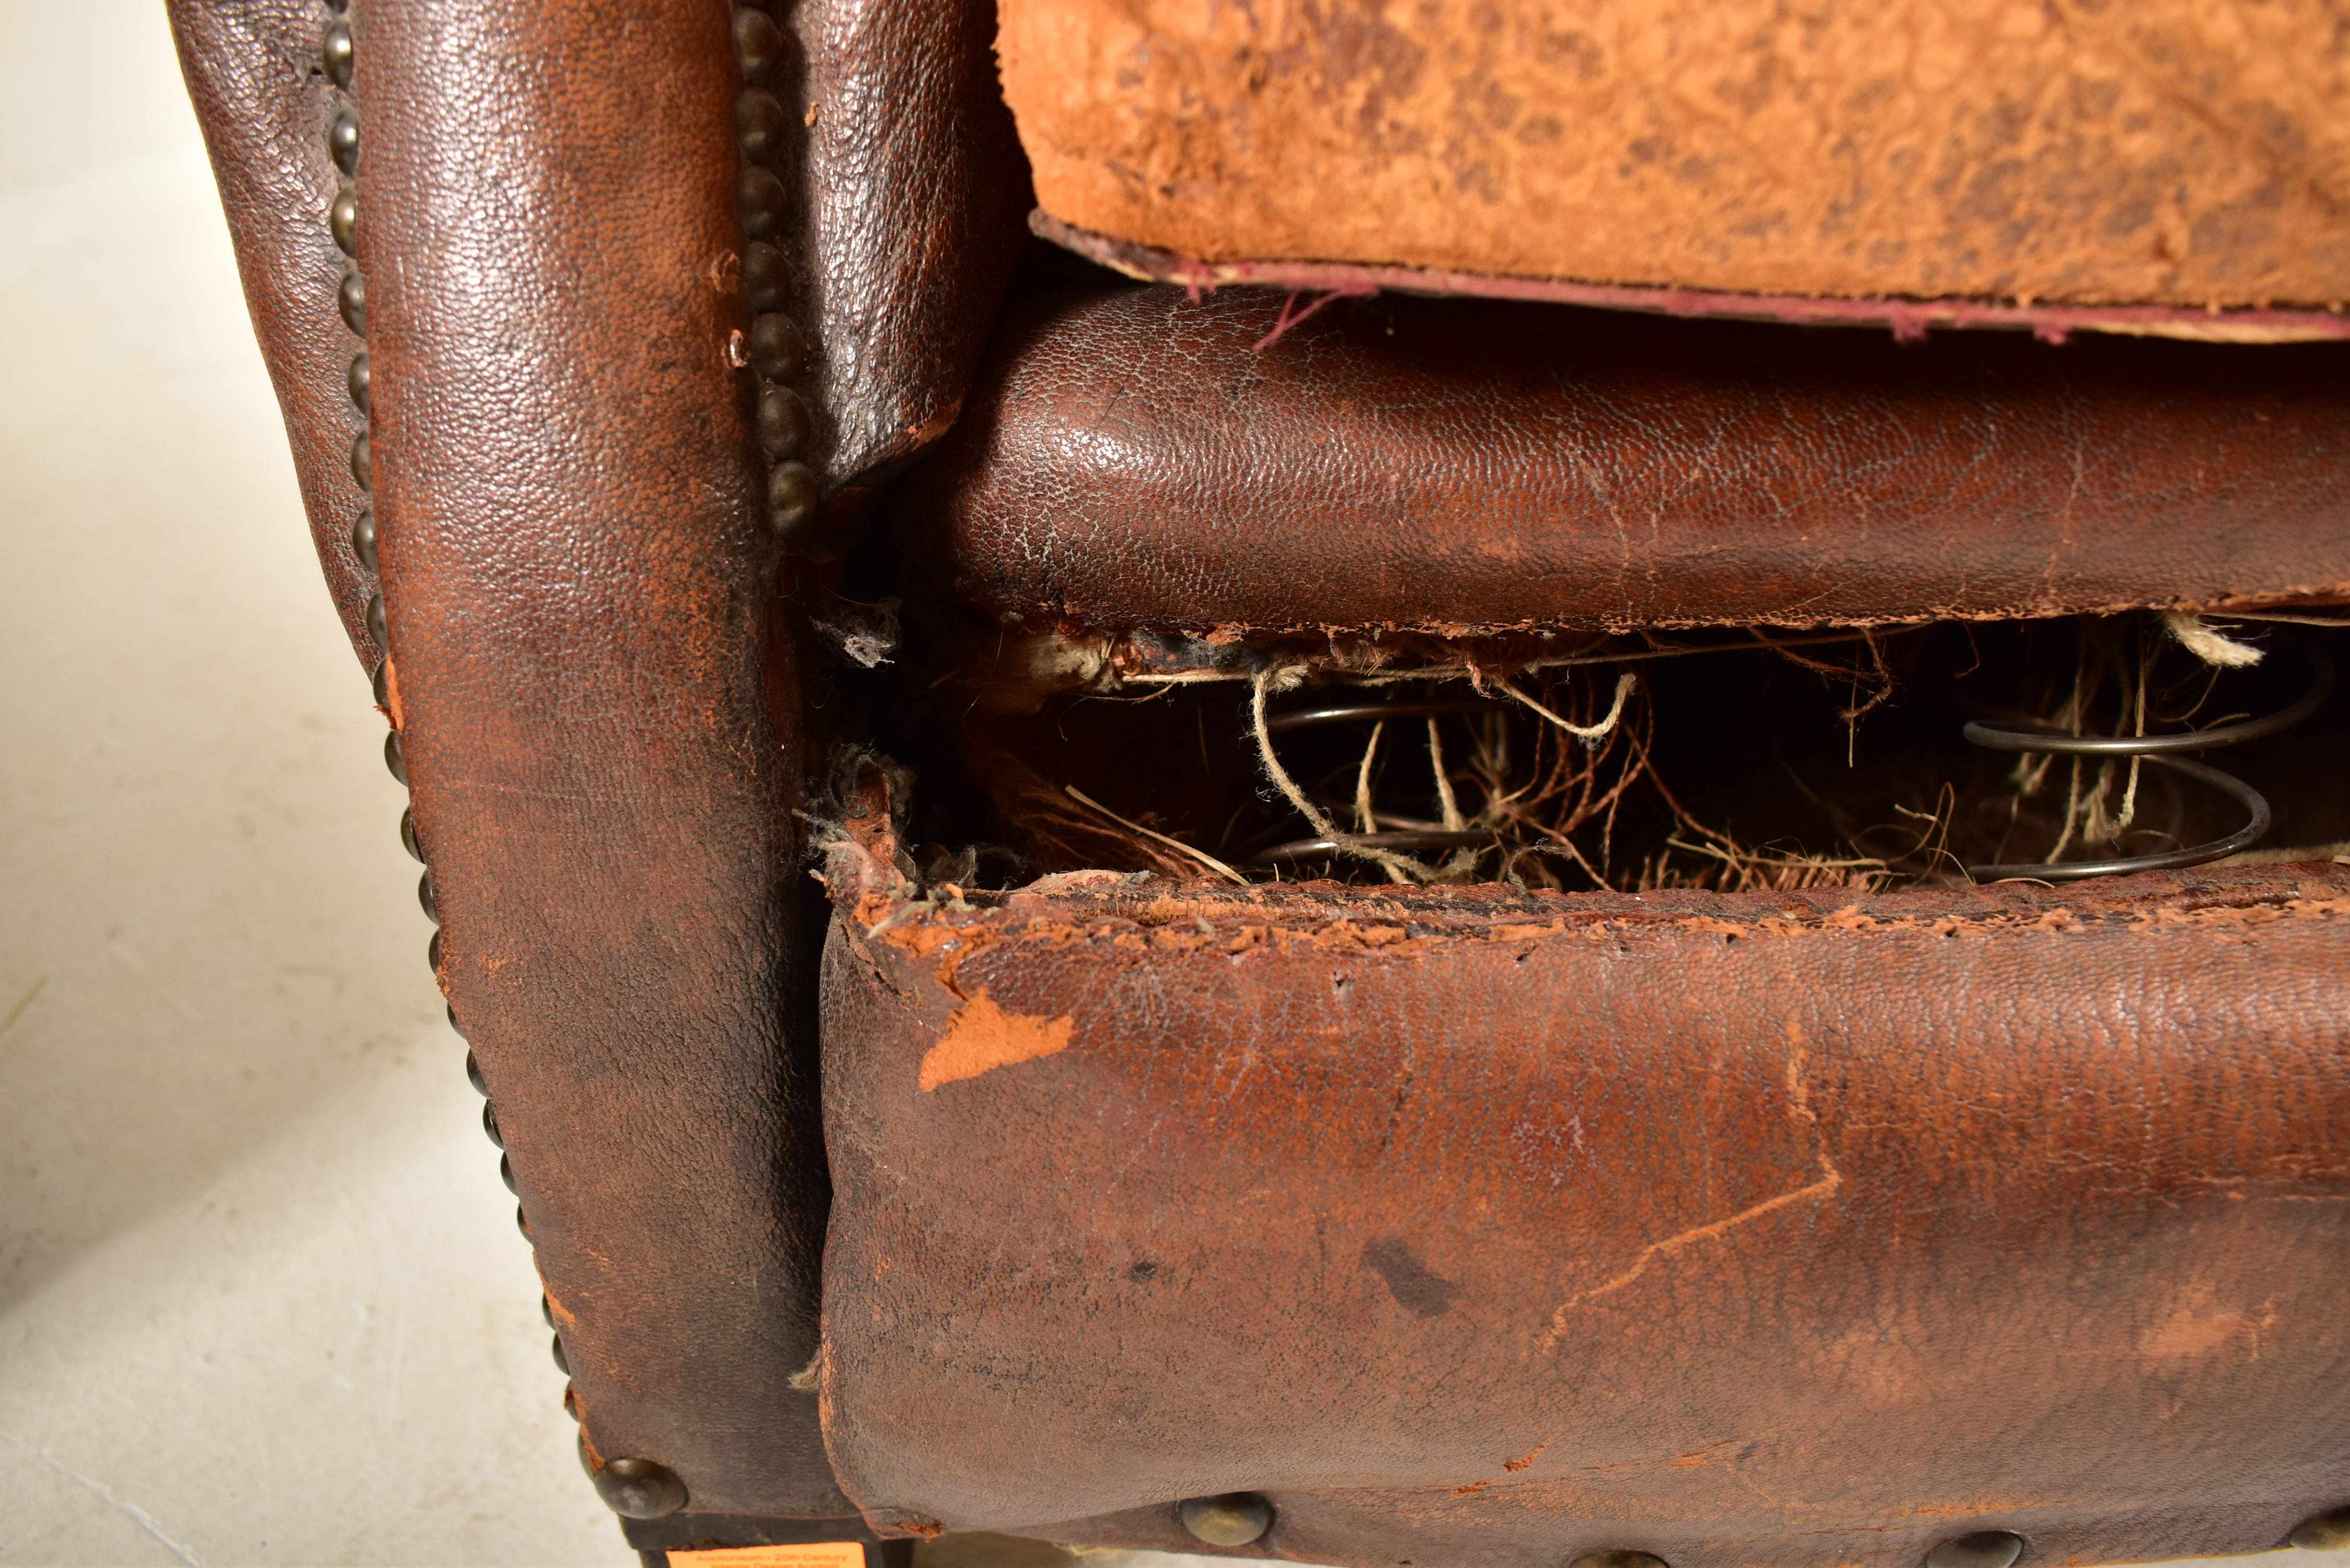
[2194,153]
[1474,1225]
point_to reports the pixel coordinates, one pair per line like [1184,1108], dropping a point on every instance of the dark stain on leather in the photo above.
[1416,1288]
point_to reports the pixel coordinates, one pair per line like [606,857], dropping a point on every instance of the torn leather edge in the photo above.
[874,900]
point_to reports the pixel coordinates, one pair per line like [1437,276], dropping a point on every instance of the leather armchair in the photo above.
[1436,913]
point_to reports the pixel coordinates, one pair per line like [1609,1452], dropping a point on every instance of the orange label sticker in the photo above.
[811,1555]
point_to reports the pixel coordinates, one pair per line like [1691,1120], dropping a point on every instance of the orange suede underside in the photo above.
[2191,152]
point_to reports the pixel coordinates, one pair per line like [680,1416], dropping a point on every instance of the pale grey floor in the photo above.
[261,1300]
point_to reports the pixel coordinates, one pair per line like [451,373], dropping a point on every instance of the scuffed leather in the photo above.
[251,67]
[578,582]
[1481,1226]
[918,200]
[2188,151]
[1132,460]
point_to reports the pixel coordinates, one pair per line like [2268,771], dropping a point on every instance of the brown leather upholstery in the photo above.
[915,198]
[1132,461]
[584,660]
[2186,152]
[550,222]
[1472,1225]
[1475,1225]
[905,192]
[261,99]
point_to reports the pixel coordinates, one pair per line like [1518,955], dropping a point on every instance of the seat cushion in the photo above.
[2188,154]
[1478,1226]
[1137,460]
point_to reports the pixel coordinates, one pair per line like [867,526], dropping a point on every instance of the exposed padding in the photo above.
[1133,459]
[580,588]
[2188,153]
[1478,1226]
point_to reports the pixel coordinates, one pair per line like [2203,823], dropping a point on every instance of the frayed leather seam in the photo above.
[955,942]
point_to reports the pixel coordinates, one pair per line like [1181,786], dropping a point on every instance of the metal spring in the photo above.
[2161,750]
[1354,710]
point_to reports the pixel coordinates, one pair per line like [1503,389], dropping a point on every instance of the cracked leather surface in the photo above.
[2180,151]
[578,579]
[1478,1226]
[917,201]
[261,99]
[1131,459]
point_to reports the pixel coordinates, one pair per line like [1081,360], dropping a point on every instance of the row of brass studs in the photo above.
[778,348]
[1238,1519]
[1977,1549]
[336,58]
[638,1487]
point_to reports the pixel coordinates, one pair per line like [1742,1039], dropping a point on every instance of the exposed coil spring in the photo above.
[2163,751]
[1405,840]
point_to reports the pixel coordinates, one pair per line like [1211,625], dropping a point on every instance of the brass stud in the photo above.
[343,220]
[767,277]
[783,421]
[1982,1549]
[350,299]
[562,1361]
[1235,1519]
[778,346]
[453,1029]
[791,501]
[473,1077]
[343,142]
[380,684]
[759,44]
[490,1124]
[764,204]
[362,463]
[505,1174]
[334,54]
[392,758]
[2327,1532]
[1619,1559]
[640,1488]
[357,381]
[522,1223]
[760,123]
[373,616]
[363,538]
[547,1309]
[432,953]
[431,906]
[408,835]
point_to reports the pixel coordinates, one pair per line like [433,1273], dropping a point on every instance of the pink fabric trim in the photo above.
[1910,319]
